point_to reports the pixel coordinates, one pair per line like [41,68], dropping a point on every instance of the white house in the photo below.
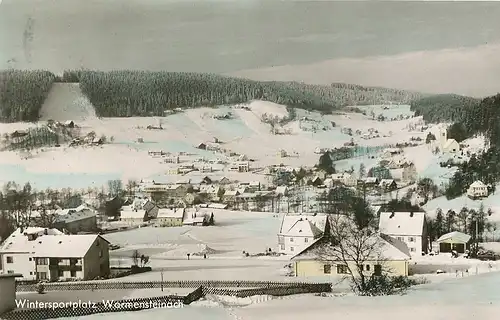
[51,255]
[133,216]
[298,232]
[170,217]
[477,190]
[345,178]
[451,146]
[16,253]
[409,227]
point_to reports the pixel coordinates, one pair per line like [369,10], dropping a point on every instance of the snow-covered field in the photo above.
[462,299]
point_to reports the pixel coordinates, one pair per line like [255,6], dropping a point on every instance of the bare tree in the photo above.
[48,214]
[130,186]
[136,258]
[351,249]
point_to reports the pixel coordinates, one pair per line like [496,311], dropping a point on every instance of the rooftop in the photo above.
[402,223]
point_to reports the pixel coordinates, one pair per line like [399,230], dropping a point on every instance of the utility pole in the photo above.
[477,238]
[161,283]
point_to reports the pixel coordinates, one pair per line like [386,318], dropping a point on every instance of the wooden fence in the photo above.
[117,285]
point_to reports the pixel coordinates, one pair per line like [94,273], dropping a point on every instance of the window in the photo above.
[400,238]
[73,274]
[291,249]
[31,273]
[411,239]
[100,253]
[342,269]
[41,275]
[306,240]
[60,273]
[41,261]
[327,269]
[10,260]
[412,250]
[73,261]
[10,271]
[30,259]
[291,239]
[97,243]
[367,267]
[282,247]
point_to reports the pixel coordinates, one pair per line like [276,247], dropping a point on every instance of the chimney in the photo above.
[392,215]
[45,231]
[411,214]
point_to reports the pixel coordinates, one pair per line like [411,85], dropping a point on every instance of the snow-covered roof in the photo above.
[64,246]
[402,223]
[454,237]
[303,228]
[449,143]
[19,242]
[385,182]
[281,190]
[74,214]
[302,225]
[128,213]
[342,175]
[200,219]
[231,193]
[171,213]
[477,184]
[388,249]
[209,189]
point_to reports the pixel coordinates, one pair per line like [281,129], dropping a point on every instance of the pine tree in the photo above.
[439,223]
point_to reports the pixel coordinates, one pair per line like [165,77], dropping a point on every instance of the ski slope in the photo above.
[66,102]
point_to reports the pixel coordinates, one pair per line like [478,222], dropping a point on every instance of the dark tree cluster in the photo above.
[459,132]
[484,167]
[22,94]
[143,93]
[443,107]
[470,221]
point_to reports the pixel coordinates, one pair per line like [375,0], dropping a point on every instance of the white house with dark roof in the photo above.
[299,231]
[409,227]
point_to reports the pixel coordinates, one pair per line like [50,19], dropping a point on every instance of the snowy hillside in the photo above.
[258,130]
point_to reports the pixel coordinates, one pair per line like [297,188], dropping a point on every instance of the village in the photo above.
[211,209]
[74,239]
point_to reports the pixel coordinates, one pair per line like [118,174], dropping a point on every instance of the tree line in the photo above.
[484,167]
[22,94]
[143,93]
[469,221]
[22,206]
[443,107]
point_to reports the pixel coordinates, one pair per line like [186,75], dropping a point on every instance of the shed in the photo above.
[455,240]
